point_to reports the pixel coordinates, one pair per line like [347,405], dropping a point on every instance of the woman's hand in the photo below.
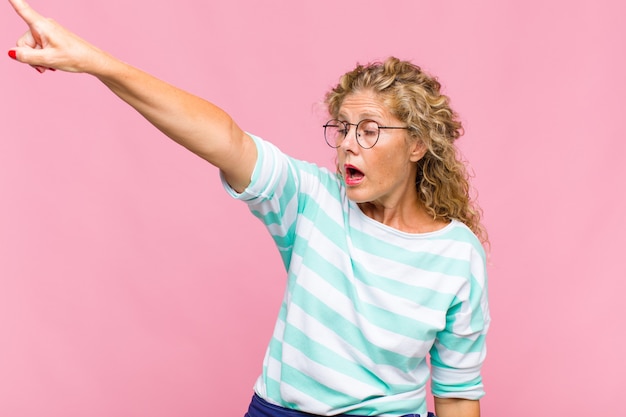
[49,46]
[456,407]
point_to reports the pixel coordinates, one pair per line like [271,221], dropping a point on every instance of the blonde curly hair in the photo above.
[414,97]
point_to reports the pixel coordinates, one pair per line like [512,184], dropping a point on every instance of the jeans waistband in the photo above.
[261,408]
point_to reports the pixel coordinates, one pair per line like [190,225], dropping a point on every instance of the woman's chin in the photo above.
[357,195]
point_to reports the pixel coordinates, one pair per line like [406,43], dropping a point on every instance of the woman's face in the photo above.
[385,174]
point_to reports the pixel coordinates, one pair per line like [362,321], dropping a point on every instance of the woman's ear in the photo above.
[418,150]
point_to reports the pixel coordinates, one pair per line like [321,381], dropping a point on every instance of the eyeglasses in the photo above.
[367,132]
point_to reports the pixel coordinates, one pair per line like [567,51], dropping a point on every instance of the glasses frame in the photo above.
[347,125]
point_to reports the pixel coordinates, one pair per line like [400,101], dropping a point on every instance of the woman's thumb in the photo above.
[30,56]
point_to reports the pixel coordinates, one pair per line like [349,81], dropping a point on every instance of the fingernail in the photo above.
[13,54]
[39,70]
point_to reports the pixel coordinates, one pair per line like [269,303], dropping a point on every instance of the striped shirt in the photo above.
[365,304]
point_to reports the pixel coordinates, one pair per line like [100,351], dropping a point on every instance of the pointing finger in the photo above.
[27,13]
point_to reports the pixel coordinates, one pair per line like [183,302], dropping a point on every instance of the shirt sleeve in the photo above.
[270,167]
[459,350]
[272,195]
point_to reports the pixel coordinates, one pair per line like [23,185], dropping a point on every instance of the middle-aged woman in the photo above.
[384,257]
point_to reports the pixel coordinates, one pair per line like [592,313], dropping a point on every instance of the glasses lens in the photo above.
[367,133]
[334,133]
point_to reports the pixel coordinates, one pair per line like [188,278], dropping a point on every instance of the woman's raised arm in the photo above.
[196,124]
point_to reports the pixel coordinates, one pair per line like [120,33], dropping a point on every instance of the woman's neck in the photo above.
[408,217]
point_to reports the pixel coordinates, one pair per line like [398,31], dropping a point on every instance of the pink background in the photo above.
[131,285]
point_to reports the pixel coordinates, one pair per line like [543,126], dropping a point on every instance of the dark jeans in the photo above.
[261,408]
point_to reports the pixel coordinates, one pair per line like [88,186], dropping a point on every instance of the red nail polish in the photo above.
[13,54]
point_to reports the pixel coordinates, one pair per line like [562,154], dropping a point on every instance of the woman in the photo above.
[384,258]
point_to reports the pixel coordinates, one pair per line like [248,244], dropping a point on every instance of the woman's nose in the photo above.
[350,140]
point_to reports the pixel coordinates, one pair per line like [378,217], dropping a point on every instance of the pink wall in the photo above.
[131,285]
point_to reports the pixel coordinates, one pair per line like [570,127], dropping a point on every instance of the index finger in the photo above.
[27,13]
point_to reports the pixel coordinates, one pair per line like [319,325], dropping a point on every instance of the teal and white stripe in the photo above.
[365,304]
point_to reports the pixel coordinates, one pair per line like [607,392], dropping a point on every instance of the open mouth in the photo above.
[353,175]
